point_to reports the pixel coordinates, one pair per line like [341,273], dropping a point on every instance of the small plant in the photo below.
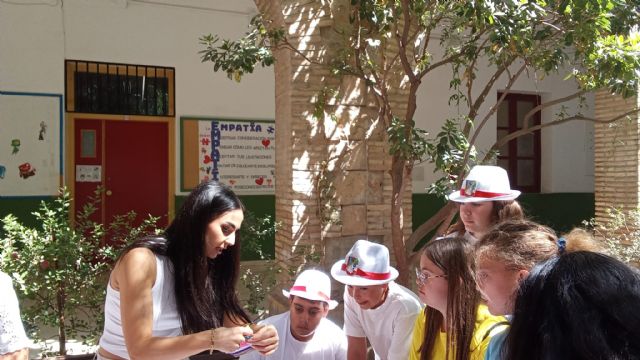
[621,234]
[60,269]
[255,231]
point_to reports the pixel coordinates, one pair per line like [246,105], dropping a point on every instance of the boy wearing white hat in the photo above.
[305,332]
[485,199]
[375,308]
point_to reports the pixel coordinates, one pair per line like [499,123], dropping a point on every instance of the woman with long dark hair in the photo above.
[174,296]
[454,325]
[581,305]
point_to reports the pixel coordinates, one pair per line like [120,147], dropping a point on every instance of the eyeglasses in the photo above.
[422,278]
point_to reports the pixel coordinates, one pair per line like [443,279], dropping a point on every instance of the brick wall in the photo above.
[349,139]
[616,155]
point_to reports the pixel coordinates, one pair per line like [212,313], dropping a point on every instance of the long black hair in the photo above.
[204,288]
[581,305]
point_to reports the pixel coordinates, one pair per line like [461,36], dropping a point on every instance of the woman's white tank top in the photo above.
[166,321]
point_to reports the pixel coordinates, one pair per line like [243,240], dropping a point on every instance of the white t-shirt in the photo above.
[388,327]
[12,335]
[328,342]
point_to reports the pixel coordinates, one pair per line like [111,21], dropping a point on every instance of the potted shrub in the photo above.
[60,268]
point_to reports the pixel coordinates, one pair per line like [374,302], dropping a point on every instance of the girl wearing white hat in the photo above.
[485,199]
[375,307]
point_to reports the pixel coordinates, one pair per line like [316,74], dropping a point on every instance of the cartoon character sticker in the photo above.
[26,170]
[15,143]
[43,130]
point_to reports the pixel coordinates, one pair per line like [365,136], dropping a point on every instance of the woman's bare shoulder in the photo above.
[138,264]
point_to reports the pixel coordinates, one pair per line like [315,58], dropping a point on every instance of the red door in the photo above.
[88,164]
[133,158]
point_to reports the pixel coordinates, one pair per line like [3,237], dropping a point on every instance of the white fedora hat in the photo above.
[485,183]
[312,285]
[366,264]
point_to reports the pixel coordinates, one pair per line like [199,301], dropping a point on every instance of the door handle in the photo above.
[109,193]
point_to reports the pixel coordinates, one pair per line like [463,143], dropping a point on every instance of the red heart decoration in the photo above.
[207,159]
[260,181]
[266,142]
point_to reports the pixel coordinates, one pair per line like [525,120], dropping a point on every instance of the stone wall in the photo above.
[333,185]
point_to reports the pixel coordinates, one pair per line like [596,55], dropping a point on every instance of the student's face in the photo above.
[433,291]
[306,316]
[221,232]
[498,285]
[368,297]
[476,217]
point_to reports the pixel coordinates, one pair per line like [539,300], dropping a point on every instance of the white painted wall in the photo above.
[567,149]
[36,39]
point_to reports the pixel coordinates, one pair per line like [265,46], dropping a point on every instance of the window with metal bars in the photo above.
[123,89]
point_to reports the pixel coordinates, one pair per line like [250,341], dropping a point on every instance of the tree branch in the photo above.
[521,132]
[429,225]
[494,108]
[287,45]
[530,113]
[473,109]
[402,42]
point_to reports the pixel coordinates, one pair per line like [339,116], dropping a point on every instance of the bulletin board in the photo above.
[237,152]
[30,144]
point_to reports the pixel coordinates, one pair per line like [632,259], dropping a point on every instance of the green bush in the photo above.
[60,268]
[620,235]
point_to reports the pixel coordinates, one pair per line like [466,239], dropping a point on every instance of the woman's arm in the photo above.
[135,276]
[265,337]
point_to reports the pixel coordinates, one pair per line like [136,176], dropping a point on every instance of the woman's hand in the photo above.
[228,339]
[265,339]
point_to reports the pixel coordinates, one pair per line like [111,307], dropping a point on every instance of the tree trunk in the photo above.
[398,176]
[431,224]
[62,335]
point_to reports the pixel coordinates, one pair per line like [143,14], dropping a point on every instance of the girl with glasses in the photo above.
[454,323]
